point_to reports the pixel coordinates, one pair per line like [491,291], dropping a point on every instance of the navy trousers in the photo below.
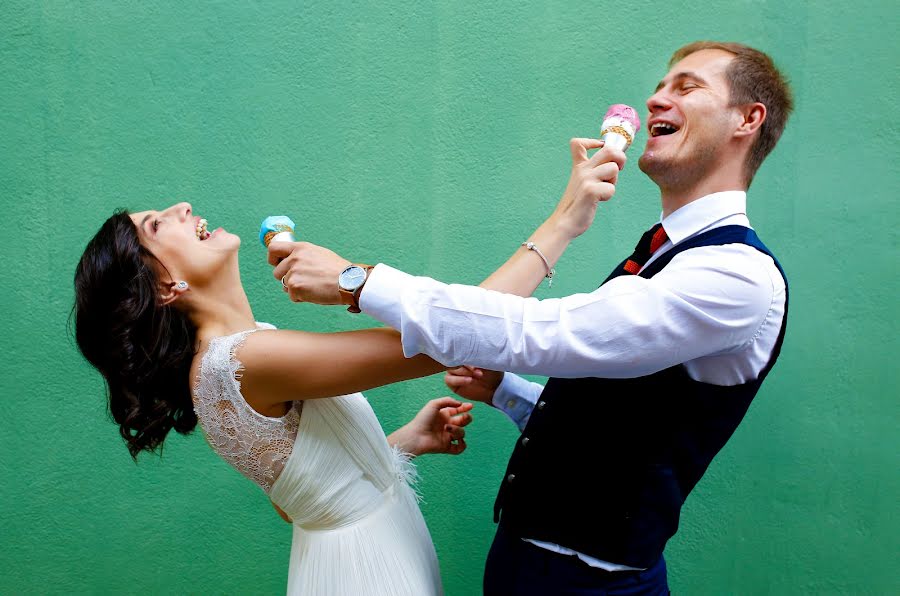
[518,568]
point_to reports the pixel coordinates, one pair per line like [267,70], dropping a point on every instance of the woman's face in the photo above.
[181,242]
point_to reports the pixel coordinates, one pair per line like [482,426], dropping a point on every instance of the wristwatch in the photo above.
[351,282]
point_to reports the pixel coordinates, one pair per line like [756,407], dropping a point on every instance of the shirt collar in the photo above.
[702,213]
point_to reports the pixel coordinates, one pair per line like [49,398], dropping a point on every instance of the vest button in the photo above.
[511,477]
[525,441]
[542,405]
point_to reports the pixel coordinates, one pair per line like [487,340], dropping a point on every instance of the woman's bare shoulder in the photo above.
[270,361]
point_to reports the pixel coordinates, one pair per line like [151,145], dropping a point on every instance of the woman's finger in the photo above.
[461,419]
[446,401]
[457,432]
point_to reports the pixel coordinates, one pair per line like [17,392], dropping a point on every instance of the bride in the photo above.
[161,313]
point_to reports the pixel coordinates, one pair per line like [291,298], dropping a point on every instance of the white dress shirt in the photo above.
[715,309]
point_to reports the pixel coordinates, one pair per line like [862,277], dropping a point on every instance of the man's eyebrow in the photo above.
[682,76]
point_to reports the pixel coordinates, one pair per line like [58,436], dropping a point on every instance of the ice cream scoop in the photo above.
[620,125]
[276,228]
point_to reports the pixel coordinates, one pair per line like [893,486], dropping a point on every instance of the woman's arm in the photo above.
[592,181]
[281,366]
[437,428]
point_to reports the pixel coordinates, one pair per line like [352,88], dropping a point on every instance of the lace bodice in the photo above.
[257,446]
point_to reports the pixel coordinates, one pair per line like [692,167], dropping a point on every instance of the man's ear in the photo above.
[170,291]
[753,115]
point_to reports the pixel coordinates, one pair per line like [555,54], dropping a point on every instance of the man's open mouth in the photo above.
[660,129]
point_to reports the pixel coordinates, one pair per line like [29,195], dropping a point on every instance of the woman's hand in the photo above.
[593,181]
[437,428]
[473,383]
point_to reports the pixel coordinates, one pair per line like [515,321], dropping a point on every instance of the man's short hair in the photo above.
[753,78]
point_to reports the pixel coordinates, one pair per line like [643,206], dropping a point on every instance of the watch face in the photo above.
[352,277]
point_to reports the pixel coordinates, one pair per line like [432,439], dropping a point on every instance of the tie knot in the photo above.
[658,237]
[648,244]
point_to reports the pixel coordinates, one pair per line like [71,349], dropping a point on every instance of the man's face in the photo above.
[690,121]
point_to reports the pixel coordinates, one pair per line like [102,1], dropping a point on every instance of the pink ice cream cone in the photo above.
[620,125]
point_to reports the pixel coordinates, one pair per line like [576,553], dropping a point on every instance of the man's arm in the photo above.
[703,303]
[697,306]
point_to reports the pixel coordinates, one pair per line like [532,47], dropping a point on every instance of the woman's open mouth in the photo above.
[201,231]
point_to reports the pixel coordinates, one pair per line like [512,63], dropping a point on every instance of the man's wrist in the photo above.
[346,297]
[382,296]
[351,281]
[493,390]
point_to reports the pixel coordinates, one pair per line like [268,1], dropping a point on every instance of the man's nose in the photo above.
[658,101]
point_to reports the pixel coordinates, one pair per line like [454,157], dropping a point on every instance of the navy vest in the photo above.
[604,465]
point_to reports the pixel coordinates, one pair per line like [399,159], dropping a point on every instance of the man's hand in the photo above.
[473,383]
[437,428]
[592,181]
[308,272]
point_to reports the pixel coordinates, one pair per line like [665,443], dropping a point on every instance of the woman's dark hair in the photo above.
[142,348]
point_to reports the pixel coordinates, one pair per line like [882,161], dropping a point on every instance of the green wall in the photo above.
[433,137]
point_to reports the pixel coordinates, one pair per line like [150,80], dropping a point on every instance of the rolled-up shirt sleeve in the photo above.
[629,327]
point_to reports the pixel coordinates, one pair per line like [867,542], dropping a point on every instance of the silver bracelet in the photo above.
[550,270]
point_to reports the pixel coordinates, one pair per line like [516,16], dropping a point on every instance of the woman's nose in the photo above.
[181,210]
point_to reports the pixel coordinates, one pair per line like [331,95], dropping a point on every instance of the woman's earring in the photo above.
[182,285]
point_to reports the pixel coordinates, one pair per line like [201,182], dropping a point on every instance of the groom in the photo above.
[652,372]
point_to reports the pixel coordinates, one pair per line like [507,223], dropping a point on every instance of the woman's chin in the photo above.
[222,239]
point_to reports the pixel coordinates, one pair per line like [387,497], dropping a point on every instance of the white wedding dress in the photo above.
[357,525]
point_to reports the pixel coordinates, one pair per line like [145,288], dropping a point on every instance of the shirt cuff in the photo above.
[516,397]
[380,296]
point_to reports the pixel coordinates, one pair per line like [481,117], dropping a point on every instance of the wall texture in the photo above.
[433,137]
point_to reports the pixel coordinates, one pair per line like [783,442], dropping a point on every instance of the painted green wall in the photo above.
[433,137]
